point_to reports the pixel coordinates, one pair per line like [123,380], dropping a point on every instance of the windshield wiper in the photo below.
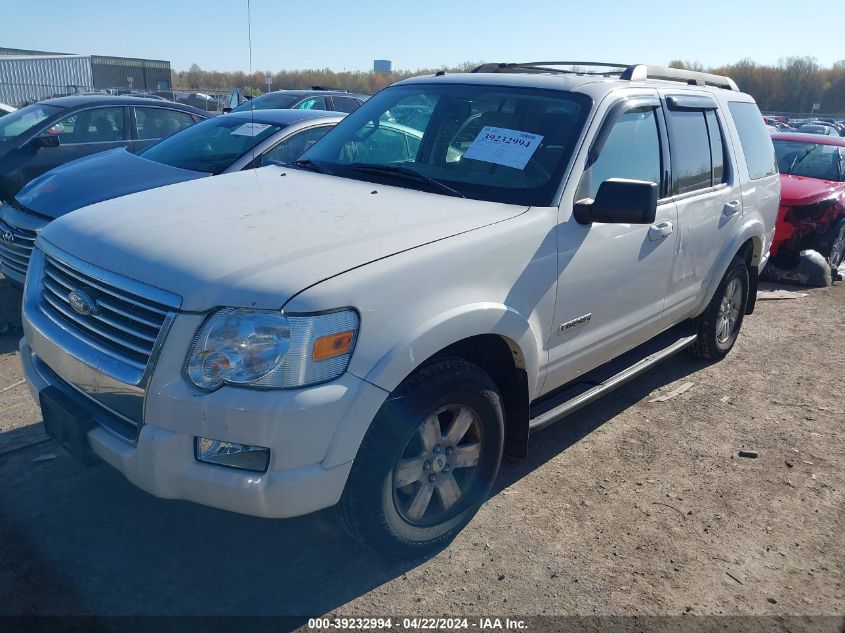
[405,173]
[310,165]
[800,157]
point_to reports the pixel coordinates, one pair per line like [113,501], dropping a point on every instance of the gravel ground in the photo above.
[630,507]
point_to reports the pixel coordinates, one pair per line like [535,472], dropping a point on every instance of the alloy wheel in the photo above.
[729,311]
[438,465]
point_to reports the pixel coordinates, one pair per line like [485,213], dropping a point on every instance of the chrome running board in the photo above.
[614,374]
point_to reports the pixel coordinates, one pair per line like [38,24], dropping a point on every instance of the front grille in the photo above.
[15,248]
[123,324]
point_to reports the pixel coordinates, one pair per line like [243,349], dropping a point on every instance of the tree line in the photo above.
[195,78]
[793,85]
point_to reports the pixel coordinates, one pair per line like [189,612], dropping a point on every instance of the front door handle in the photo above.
[731,208]
[660,231]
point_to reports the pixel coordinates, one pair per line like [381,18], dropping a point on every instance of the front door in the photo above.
[612,278]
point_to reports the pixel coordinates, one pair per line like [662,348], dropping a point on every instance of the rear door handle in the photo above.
[731,208]
[660,231]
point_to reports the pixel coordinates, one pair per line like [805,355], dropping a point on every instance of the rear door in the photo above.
[760,188]
[707,191]
[80,133]
[153,124]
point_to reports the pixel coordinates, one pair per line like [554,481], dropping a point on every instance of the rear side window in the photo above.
[755,140]
[153,123]
[345,104]
[690,146]
[717,147]
[698,150]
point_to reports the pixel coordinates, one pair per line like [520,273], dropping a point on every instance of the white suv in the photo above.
[375,327]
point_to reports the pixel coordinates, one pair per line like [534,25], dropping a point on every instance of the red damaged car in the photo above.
[812,199]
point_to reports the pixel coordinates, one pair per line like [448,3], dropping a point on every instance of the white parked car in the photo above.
[374,328]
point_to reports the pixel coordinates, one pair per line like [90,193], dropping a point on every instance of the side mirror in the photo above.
[46,140]
[619,201]
[227,110]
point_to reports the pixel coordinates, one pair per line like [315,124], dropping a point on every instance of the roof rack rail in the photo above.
[640,72]
[630,72]
[541,67]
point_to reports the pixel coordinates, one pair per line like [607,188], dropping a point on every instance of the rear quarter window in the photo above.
[754,138]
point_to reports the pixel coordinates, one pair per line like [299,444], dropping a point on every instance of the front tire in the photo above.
[719,324]
[427,462]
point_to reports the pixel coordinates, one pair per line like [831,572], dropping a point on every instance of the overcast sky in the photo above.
[429,33]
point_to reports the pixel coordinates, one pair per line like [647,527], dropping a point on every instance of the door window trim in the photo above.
[612,115]
[704,104]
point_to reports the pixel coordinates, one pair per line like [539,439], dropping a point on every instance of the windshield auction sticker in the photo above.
[499,145]
[250,129]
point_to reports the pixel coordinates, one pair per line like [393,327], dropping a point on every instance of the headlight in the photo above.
[262,348]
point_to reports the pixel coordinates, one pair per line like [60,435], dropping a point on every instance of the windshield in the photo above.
[496,143]
[21,121]
[210,146]
[270,101]
[813,160]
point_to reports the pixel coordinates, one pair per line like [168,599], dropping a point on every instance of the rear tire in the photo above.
[427,462]
[835,251]
[719,324]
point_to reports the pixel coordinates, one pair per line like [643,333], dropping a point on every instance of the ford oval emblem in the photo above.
[82,303]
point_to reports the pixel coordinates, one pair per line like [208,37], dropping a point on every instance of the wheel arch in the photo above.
[494,336]
[750,244]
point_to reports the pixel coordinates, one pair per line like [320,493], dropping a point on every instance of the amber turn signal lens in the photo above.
[332,345]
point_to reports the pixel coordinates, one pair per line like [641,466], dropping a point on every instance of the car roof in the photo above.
[283,117]
[305,93]
[811,138]
[75,101]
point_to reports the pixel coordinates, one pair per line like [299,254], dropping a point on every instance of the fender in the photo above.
[455,325]
[752,229]
[427,340]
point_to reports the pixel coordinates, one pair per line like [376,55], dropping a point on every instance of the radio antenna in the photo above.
[251,108]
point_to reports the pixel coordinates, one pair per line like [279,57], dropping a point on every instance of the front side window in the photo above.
[95,125]
[212,145]
[293,146]
[632,150]
[21,121]
[754,139]
[497,143]
[153,123]
[812,160]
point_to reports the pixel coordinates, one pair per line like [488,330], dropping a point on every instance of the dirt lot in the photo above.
[629,507]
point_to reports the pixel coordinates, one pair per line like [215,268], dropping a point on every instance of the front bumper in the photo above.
[301,427]
[18,231]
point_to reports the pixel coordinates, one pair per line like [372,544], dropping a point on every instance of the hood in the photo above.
[799,190]
[256,238]
[95,178]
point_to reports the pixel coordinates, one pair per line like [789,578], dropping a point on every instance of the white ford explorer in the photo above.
[375,327]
